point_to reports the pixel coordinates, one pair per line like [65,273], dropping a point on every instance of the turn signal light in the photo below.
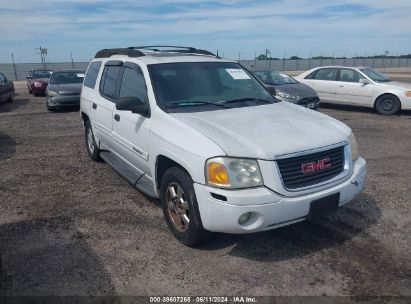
[218,174]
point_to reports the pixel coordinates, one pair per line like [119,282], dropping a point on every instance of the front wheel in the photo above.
[92,149]
[388,105]
[180,208]
[10,99]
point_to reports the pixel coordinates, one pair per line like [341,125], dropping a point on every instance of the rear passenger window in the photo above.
[133,84]
[91,74]
[109,81]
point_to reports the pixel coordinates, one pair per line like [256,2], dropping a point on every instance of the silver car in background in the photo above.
[64,89]
[289,89]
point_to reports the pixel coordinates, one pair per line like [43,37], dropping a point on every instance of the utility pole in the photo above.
[72,61]
[43,53]
[14,66]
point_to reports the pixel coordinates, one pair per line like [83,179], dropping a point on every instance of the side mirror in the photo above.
[133,104]
[28,77]
[365,81]
[272,90]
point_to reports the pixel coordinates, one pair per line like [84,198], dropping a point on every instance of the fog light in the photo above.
[244,218]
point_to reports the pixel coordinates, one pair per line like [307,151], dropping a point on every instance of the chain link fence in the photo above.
[19,71]
[307,64]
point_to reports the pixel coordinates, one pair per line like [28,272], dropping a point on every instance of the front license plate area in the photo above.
[324,205]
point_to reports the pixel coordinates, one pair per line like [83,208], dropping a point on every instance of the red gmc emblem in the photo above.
[312,167]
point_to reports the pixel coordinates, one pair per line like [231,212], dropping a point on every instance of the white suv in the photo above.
[207,138]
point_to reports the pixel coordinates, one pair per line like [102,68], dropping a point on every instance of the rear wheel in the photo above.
[92,149]
[180,208]
[388,105]
[10,99]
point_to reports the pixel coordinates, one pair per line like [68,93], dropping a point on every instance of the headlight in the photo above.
[233,173]
[37,84]
[286,96]
[353,147]
[52,93]
[408,93]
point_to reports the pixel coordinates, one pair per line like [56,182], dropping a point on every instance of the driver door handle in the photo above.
[116,117]
[94,106]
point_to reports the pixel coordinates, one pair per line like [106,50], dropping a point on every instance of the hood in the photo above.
[298,89]
[267,131]
[66,88]
[397,84]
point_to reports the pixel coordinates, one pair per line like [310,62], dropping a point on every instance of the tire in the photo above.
[10,99]
[30,91]
[388,105]
[92,149]
[180,207]
[50,109]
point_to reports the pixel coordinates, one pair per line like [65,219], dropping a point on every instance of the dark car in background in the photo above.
[6,89]
[289,89]
[37,81]
[64,89]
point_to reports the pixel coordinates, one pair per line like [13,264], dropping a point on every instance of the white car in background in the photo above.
[360,86]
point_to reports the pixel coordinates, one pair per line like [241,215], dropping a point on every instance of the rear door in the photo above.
[103,103]
[324,82]
[351,91]
[131,130]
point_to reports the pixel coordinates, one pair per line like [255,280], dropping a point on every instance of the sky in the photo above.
[236,28]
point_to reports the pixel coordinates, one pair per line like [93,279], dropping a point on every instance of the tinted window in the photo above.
[42,74]
[275,77]
[133,84]
[349,75]
[109,81]
[91,74]
[4,78]
[325,74]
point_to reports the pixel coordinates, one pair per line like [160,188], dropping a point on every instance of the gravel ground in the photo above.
[69,226]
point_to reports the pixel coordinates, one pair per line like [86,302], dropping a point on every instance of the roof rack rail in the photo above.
[138,51]
[120,51]
[173,49]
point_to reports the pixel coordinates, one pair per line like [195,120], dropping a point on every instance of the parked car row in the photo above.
[358,86]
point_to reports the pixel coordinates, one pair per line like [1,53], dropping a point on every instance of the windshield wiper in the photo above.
[195,103]
[250,99]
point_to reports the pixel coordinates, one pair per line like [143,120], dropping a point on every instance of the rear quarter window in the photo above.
[91,74]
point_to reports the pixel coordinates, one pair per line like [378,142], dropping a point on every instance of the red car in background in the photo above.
[37,81]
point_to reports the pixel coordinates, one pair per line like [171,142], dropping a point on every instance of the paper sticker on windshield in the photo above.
[237,74]
[80,75]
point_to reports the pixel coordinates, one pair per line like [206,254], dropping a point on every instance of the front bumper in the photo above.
[63,101]
[39,90]
[270,210]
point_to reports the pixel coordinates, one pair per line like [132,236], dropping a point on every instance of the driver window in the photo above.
[349,75]
[133,84]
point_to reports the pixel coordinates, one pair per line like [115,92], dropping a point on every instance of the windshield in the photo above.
[375,75]
[206,85]
[275,77]
[42,74]
[67,77]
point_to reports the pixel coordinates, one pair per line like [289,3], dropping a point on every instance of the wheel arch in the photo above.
[386,94]
[163,163]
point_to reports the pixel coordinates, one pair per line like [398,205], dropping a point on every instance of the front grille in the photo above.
[303,102]
[291,169]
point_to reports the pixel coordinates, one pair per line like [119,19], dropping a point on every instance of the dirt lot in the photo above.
[69,226]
